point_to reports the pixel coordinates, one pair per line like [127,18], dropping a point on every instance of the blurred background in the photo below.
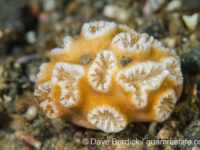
[29,29]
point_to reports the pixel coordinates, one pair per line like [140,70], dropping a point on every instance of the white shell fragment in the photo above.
[174,4]
[191,21]
[113,11]
[31,113]
[31,37]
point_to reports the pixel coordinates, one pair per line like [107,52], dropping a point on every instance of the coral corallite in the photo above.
[109,76]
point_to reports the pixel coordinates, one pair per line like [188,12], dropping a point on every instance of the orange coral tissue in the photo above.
[109,76]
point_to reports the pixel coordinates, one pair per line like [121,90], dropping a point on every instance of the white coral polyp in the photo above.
[67,76]
[107,119]
[100,72]
[57,51]
[97,28]
[146,76]
[165,105]
[134,41]
[42,68]
[173,65]
[67,41]
[42,96]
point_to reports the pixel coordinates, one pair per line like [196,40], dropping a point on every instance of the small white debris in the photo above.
[109,11]
[49,5]
[7,98]
[17,65]
[31,113]
[191,21]
[30,37]
[115,12]
[32,77]
[175,4]
[170,42]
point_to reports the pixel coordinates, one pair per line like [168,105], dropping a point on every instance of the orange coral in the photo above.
[109,76]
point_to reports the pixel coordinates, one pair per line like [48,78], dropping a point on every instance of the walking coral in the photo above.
[109,76]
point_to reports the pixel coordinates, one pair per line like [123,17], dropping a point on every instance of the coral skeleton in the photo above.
[108,77]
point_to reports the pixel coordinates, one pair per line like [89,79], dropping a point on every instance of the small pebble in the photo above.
[31,37]
[152,128]
[194,90]
[191,21]
[7,98]
[128,59]
[32,77]
[49,5]
[109,11]
[119,13]
[170,42]
[152,6]
[193,37]
[184,39]
[123,63]
[17,65]
[174,4]
[31,113]
[85,59]
[174,123]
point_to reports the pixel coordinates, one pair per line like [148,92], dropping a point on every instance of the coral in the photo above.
[109,76]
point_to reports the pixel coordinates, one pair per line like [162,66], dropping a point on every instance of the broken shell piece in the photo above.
[119,13]
[112,90]
[174,4]
[31,113]
[191,21]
